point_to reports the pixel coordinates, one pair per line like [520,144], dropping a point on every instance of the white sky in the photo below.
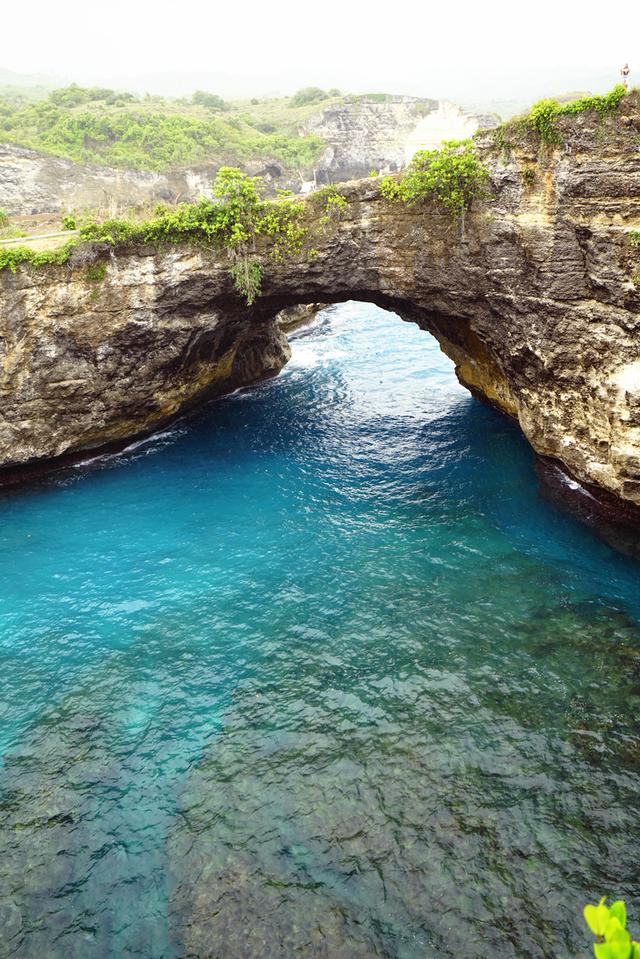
[465,49]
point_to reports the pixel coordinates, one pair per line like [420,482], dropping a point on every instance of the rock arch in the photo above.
[535,296]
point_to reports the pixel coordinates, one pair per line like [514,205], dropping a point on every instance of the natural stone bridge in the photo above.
[536,298]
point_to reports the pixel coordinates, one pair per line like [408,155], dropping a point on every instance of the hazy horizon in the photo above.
[476,54]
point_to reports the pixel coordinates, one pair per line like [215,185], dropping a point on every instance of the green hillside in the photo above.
[111,128]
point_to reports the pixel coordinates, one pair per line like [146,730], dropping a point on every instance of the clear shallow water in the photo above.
[316,673]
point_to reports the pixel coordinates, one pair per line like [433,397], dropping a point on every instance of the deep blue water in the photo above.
[315,673]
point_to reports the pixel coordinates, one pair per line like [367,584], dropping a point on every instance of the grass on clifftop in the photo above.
[8,230]
[543,115]
[14,256]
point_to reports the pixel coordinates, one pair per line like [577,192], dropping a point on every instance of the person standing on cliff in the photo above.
[624,73]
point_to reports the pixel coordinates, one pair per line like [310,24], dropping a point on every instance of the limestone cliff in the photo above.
[383,133]
[32,182]
[536,297]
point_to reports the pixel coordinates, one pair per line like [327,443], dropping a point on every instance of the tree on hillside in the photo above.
[209,100]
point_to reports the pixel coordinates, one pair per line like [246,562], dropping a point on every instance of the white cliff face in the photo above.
[447,122]
[367,133]
[31,182]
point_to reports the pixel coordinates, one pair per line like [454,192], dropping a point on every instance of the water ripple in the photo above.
[316,673]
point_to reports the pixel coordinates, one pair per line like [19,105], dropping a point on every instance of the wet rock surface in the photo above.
[293,317]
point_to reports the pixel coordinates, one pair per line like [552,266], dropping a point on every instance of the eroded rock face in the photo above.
[383,133]
[33,182]
[88,363]
[293,317]
[536,297]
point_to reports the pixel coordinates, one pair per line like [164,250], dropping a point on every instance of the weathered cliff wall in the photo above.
[369,133]
[536,297]
[32,182]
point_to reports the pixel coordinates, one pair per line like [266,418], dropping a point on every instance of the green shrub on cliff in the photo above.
[543,115]
[452,177]
[232,222]
[311,95]
[12,257]
[280,220]
[542,118]
[634,238]
[605,105]
[609,926]
[331,202]
[97,273]
[247,279]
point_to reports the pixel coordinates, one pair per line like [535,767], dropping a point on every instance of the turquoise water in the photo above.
[316,672]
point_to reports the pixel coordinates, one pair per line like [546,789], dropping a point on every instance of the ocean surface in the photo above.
[316,672]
